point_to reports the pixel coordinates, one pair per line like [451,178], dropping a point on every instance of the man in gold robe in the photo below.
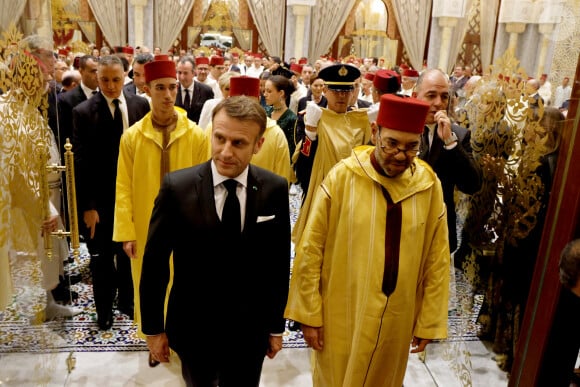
[371,274]
[164,140]
[331,134]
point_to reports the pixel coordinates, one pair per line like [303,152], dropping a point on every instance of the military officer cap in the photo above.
[339,76]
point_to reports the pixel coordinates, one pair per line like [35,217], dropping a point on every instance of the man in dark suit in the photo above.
[191,95]
[98,124]
[446,147]
[68,100]
[224,269]
[138,75]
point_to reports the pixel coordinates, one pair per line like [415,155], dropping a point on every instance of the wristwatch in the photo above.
[451,139]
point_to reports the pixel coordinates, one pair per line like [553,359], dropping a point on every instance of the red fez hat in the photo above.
[404,66]
[296,68]
[201,60]
[369,76]
[235,55]
[244,85]
[411,73]
[387,81]
[62,51]
[257,55]
[303,61]
[161,57]
[159,69]
[401,113]
[216,61]
[128,50]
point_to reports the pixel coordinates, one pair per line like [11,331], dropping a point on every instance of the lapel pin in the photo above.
[254,188]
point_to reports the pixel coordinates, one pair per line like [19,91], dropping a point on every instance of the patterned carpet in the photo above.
[80,333]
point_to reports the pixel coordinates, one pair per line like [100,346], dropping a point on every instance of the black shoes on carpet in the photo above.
[63,293]
[105,321]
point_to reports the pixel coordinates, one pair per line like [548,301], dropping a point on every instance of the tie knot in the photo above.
[94,92]
[186,91]
[116,102]
[231,186]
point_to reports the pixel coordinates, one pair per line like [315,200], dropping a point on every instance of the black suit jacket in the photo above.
[455,168]
[201,93]
[66,102]
[130,88]
[217,281]
[96,150]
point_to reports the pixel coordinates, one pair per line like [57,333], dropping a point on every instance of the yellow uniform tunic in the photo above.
[338,273]
[338,135]
[274,154]
[139,179]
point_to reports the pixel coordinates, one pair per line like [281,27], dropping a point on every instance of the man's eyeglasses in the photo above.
[391,147]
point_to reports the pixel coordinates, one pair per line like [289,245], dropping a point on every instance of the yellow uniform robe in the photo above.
[338,273]
[274,154]
[139,180]
[338,135]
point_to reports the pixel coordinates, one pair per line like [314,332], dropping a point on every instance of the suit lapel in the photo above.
[253,194]
[436,147]
[205,191]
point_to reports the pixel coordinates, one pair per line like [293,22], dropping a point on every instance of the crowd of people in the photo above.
[183,169]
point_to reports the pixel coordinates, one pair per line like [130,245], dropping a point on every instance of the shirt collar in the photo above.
[242,178]
[121,98]
[88,91]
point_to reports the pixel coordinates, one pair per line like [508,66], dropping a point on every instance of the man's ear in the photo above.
[375,132]
[258,145]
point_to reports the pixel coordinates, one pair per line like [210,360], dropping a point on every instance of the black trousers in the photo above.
[224,362]
[110,272]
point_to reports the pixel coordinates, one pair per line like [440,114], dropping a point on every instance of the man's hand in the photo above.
[275,346]
[313,336]
[418,344]
[312,116]
[50,224]
[159,347]
[443,125]
[130,248]
[91,218]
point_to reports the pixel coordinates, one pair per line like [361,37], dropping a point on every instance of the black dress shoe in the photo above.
[152,362]
[72,279]
[63,293]
[105,323]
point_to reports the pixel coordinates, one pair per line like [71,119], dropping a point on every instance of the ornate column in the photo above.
[516,15]
[449,13]
[549,14]
[447,23]
[300,9]
[139,21]
[514,29]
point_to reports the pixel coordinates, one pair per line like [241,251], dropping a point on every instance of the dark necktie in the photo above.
[117,117]
[93,92]
[425,150]
[186,100]
[231,218]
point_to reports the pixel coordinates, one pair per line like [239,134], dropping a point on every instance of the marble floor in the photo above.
[290,368]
